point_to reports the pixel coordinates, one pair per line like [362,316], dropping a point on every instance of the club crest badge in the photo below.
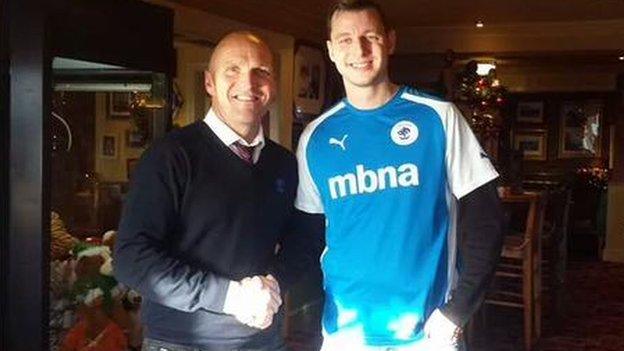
[280,186]
[404,133]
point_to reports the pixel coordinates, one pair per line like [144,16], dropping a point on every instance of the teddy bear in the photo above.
[96,293]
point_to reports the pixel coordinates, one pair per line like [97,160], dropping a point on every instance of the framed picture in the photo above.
[530,112]
[309,81]
[532,143]
[136,138]
[579,128]
[119,104]
[130,166]
[109,147]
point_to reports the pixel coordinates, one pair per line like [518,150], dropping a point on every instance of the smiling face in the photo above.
[359,46]
[241,80]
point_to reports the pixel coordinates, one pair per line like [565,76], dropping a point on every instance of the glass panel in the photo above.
[580,128]
[103,118]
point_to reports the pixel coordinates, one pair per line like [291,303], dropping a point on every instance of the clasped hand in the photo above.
[441,332]
[253,300]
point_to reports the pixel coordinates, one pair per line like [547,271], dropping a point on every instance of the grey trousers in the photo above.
[157,345]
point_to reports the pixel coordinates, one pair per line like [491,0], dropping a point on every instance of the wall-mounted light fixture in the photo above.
[484,68]
[103,87]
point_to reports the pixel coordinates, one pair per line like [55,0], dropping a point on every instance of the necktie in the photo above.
[244,152]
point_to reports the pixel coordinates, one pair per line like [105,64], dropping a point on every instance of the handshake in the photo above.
[254,300]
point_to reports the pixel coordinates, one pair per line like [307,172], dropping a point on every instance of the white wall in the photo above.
[192,61]
[614,245]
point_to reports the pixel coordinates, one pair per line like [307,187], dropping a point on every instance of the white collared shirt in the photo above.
[229,137]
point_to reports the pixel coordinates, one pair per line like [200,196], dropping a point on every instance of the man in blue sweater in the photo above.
[413,217]
[207,207]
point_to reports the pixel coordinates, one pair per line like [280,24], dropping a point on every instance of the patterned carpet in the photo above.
[593,318]
[595,311]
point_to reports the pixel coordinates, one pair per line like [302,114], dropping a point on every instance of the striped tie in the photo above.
[244,152]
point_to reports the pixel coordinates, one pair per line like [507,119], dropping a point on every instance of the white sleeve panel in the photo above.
[308,197]
[468,166]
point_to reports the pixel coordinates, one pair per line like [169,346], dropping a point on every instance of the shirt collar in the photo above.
[229,136]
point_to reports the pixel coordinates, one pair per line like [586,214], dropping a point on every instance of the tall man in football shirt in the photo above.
[400,179]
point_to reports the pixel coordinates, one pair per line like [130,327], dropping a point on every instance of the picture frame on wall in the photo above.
[530,112]
[119,104]
[580,129]
[109,147]
[533,143]
[136,139]
[309,79]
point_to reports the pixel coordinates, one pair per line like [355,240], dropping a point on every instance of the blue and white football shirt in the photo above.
[388,180]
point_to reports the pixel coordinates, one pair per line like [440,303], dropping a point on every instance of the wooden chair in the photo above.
[521,261]
[554,251]
[554,240]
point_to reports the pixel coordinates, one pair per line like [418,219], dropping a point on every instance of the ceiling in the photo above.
[306,19]
[461,12]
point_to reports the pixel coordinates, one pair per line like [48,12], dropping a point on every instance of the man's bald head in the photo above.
[236,39]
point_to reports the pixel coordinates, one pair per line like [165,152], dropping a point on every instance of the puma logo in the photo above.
[341,143]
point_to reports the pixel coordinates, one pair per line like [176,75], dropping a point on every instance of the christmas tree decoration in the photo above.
[595,177]
[481,95]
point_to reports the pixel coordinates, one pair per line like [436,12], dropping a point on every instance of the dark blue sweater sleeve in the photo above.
[301,247]
[480,233]
[143,257]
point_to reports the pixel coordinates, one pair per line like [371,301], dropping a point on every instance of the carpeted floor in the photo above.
[593,319]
